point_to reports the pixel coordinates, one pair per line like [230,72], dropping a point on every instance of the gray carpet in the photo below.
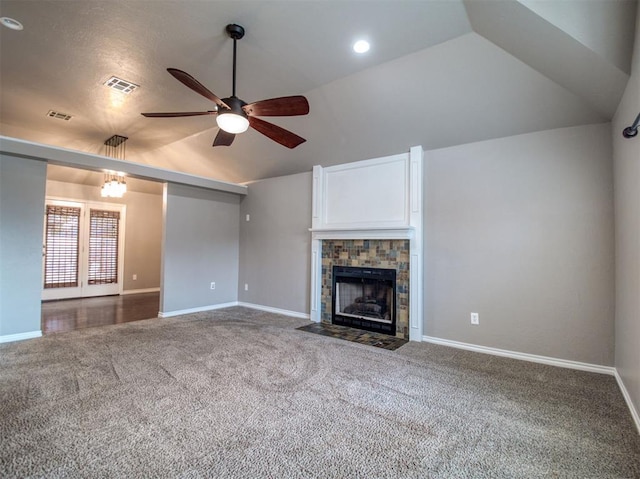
[241,393]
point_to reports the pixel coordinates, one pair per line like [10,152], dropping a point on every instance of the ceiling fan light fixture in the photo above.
[232,122]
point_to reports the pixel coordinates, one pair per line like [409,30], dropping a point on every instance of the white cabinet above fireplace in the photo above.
[376,194]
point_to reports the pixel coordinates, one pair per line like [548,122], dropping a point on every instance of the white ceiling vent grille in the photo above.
[121,85]
[58,115]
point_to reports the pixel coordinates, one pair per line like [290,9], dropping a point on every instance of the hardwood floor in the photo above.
[72,314]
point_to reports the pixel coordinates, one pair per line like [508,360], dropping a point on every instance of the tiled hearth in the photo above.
[360,336]
[373,253]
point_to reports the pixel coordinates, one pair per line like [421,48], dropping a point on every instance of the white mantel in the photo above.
[379,199]
[363,233]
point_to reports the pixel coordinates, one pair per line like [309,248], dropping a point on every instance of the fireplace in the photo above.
[368,214]
[364,298]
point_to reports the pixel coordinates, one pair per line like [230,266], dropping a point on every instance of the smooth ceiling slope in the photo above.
[428,79]
[607,28]
[584,46]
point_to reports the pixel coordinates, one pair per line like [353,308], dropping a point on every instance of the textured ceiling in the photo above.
[440,73]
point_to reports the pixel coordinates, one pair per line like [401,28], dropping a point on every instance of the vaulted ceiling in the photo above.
[439,73]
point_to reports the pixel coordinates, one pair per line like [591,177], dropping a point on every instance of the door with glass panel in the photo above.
[82,249]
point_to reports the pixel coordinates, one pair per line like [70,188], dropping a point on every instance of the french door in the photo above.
[83,249]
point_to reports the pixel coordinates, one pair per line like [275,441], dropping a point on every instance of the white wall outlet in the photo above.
[246,286]
[213,285]
[135,277]
[475,318]
[248,218]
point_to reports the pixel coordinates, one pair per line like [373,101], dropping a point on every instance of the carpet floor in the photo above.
[239,393]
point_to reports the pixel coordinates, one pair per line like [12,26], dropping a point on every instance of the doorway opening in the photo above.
[82,249]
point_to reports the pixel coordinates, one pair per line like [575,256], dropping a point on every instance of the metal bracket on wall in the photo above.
[631,131]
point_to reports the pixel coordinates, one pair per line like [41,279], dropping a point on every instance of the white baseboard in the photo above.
[140,291]
[8,338]
[563,363]
[269,309]
[211,307]
[627,398]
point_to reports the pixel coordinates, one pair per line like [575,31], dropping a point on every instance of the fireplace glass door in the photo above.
[364,298]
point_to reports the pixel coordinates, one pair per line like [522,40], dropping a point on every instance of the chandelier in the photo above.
[114,184]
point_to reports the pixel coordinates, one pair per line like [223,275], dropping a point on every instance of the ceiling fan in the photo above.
[234,115]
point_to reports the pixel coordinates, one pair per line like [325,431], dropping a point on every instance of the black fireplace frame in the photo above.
[365,275]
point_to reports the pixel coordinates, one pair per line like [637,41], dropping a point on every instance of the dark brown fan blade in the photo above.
[178,113]
[283,106]
[280,135]
[223,138]
[196,86]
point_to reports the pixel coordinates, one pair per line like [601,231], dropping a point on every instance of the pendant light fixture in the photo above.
[114,185]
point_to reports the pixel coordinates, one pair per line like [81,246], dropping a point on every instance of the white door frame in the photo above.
[85,290]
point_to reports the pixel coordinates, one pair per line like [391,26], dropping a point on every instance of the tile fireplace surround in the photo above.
[369,213]
[387,254]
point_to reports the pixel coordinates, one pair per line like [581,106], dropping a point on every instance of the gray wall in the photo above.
[200,246]
[143,230]
[22,188]
[275,244]
[626,156]
[520,230]
[143,241]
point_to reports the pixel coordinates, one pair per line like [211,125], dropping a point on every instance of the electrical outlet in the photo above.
[475,318]
[135,277]
[246,286]
[213,285]
[248,217]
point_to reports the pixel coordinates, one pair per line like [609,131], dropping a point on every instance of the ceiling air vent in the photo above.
[58,115]
[121,85]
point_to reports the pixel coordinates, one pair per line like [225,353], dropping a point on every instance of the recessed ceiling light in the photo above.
[361,46]
[11,23]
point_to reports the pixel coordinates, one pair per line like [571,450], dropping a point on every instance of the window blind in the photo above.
[62,239]
[103,246]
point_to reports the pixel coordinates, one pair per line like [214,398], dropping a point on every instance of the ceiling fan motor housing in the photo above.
[235,106]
